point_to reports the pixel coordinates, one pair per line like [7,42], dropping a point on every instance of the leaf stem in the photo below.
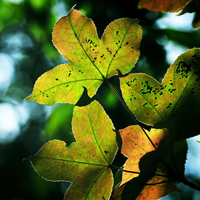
[159,182]
[132,172]
[190,184]
[128,110]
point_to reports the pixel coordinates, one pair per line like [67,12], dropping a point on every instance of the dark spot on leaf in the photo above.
[117,32]
[109,50]
[127,43]
[66,85]
[144,105]
[135,79]
[127,83]
[169,105]
[56,79]
[192,91]
[106,152]
[171,90]
[155,105]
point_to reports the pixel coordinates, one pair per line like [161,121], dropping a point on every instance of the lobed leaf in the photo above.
[174,104]
[85,162]
[91,60]
[163,5]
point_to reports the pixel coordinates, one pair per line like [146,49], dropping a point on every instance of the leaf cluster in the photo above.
[156,157]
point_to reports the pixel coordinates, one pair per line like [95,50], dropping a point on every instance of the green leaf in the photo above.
[174,104]
[91,60]
[85,162]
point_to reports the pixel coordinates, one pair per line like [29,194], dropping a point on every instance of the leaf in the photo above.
[176,161]
[91,60]
[163,5]
[158,187]
[135,145]
[141,167]
[85,162]
[168,105]
[191,7]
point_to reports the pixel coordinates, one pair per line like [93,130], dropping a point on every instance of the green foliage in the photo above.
[156,158]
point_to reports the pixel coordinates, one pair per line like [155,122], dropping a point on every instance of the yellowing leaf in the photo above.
[163,5]
[91,60]
[85,162]
[135,145]
[174,104]
[141,167]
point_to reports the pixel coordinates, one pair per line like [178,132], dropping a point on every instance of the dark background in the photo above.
[25,41]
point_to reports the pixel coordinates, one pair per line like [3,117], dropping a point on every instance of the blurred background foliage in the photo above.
[26,52]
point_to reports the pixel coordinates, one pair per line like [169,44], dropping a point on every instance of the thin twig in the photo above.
[128,110]
[132,172]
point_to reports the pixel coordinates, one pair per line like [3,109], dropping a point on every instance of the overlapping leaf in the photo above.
[163,5]
[174,104]
[90,60]
[135,145]
[144,158]
[85,162]
[153,191]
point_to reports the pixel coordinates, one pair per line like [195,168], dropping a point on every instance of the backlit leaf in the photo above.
[135,145]
[140,169]
[86,161]
[174,104]
[91,60]
[163,5]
